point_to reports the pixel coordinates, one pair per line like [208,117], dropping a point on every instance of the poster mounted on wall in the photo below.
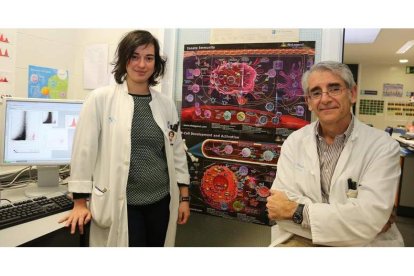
[392,90]
[95,66]
[232,36]
[6,83]
[47,82]
[369,92]
[239,103]
[7,62]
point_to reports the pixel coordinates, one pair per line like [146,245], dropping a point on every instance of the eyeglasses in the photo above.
[332,91]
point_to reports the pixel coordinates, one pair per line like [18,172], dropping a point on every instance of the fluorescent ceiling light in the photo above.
[406,47]
[403,60]
[361,35]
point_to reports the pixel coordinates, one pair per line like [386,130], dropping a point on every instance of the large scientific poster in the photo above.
[47,83]
[239,103]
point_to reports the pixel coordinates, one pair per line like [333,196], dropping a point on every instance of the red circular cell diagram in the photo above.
[219,186]
[263,191]
[235,79]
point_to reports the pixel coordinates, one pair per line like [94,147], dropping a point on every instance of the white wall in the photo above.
[332,44]
[87,37]
[62,49]
[42,47]
[373,77]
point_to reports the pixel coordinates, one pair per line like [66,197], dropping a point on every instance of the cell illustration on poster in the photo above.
[239,103]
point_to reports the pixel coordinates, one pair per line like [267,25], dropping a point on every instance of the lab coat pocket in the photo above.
[101,207]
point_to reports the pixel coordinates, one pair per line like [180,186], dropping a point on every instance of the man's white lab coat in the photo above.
[371,158]
[101,157]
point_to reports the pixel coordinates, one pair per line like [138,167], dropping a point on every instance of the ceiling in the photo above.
[382,51]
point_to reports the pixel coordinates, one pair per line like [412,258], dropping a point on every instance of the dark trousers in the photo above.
[147,224]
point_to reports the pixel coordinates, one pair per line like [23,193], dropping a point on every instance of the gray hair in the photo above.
[337,68]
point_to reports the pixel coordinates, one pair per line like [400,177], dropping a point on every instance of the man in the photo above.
[337,177]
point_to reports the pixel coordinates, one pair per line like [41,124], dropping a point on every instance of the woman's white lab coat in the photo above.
[101,157]
[371,158]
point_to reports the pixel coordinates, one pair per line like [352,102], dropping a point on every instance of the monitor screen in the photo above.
[38,132]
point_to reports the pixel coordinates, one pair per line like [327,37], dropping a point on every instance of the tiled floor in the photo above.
[406,227]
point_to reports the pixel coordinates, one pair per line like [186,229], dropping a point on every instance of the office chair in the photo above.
[389,130]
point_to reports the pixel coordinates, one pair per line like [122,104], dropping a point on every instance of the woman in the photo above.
[136,176]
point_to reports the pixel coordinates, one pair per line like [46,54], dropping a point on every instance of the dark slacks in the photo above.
[147,224]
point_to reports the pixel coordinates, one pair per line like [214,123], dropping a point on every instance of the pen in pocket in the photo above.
[102,191]
[352,189]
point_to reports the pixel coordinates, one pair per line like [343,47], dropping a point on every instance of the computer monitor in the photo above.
[38,132]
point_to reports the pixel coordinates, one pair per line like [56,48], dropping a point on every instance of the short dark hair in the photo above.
[337,68]
[126,49]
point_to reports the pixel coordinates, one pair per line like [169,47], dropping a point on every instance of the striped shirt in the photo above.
[328,157]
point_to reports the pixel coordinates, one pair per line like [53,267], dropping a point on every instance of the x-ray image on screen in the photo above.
[49,117]
[18,131]
[38,132]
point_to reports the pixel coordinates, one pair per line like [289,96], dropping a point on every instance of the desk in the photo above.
[405,203]
[405,143]
[26,232]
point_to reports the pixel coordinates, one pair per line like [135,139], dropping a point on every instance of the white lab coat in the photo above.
[371,158]
[101,157]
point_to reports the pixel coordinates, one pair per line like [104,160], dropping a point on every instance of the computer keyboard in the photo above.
[32,209]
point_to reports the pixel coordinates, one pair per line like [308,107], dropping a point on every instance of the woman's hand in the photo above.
[80,216]
[183,212]
[184,208]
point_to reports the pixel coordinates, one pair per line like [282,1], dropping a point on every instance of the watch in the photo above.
[184,198]
[298,214]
